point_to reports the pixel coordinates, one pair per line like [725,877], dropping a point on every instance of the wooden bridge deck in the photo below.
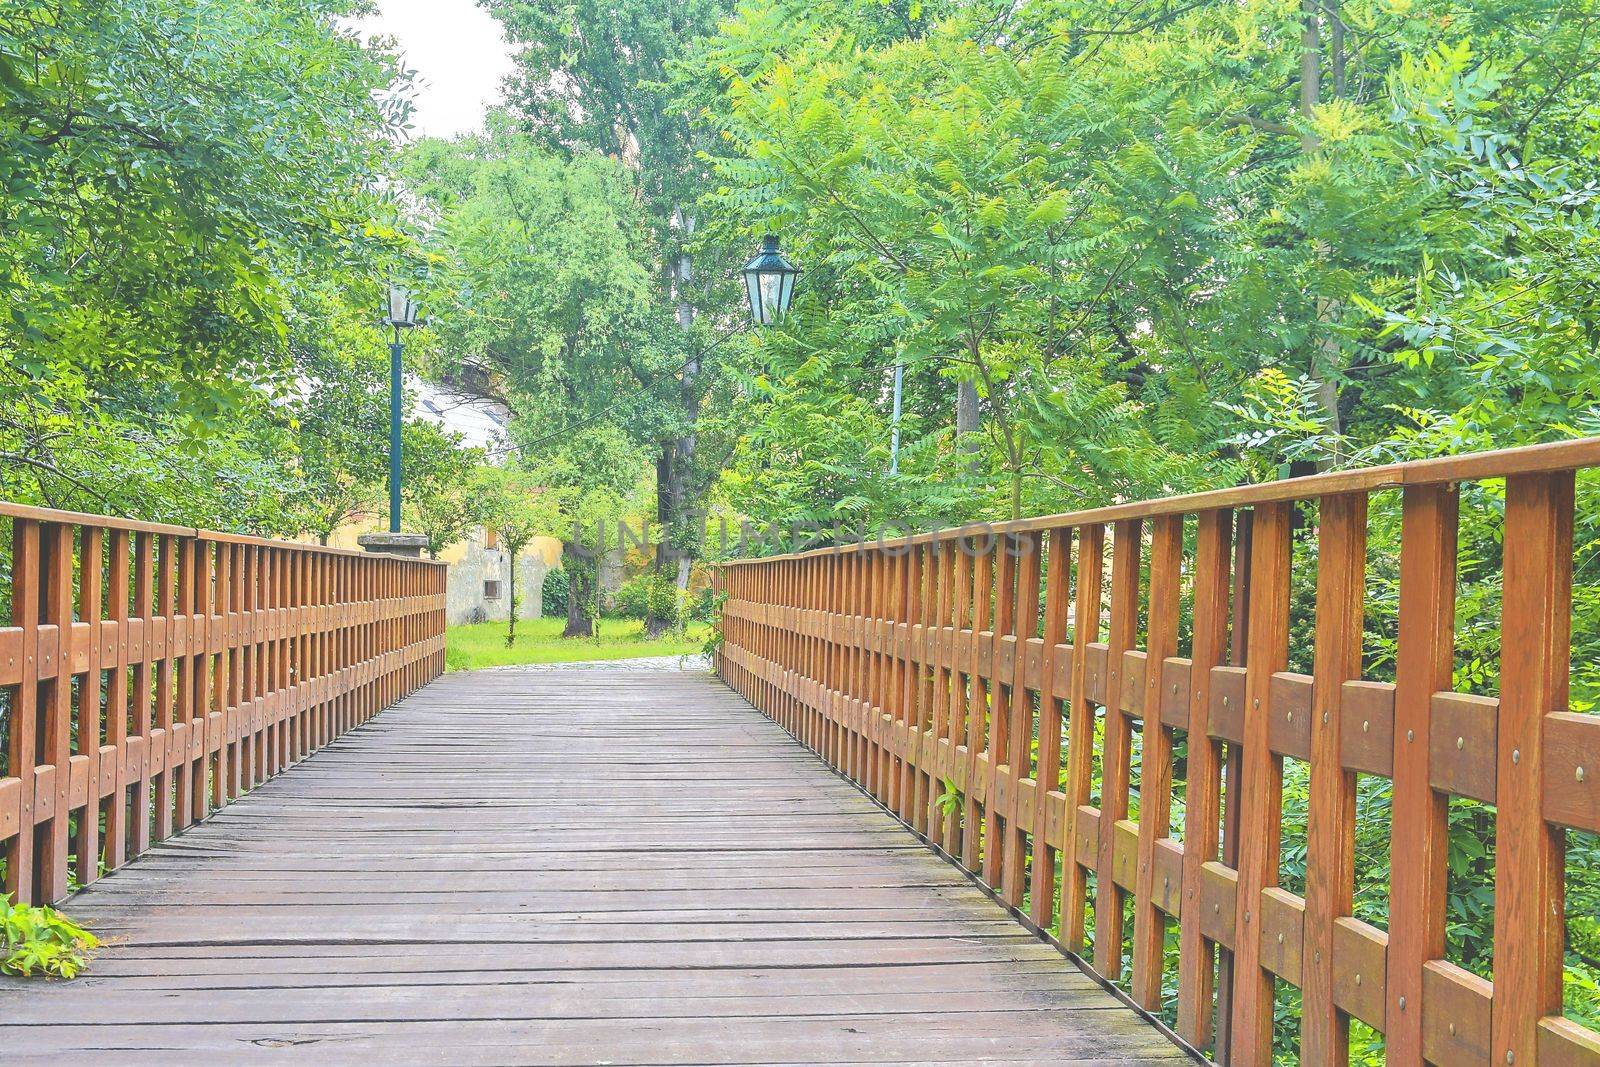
[561,867]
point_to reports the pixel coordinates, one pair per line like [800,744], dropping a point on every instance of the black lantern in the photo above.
[769,283]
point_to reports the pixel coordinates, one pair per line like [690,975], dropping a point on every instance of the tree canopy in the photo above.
[193,230]
[1169,246]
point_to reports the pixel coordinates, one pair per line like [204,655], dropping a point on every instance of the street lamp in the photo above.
[402,313]
[769,283]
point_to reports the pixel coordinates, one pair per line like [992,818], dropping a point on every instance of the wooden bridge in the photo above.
[635,867]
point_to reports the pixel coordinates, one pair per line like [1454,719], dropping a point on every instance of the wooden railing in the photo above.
[925,668]
[153,673]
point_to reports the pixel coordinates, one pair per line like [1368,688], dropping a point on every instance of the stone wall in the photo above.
[464,595]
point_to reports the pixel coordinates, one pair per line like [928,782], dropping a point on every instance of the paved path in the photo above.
[577,866]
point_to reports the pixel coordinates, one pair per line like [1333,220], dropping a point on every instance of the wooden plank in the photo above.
[138,762]
[118,710]
[979,708]
[1442,471]
[1530,855]
[1042,890]
[26,550]
[1261,783]
[91,607]
[1203,790]
[1019,734]
[55,713]
[943,826]
[1418,850]
[1080,727]
[1117,751]
[1330,836]
[1155,770]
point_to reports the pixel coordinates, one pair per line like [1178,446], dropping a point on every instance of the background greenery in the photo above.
[541,641]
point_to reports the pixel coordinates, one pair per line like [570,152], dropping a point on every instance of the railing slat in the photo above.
[1203,796]
[1536,633]
[1155,765]
[1042,889]
[1330,836]
[1419,843]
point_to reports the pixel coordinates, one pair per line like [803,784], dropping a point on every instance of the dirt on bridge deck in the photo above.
[594,866]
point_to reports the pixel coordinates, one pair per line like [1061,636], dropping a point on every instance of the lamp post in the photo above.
[769,283]
[894,424]
[401,313]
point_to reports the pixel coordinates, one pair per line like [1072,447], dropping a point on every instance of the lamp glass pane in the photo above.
[402,307]
[787,296]
[752,292]
[771,290]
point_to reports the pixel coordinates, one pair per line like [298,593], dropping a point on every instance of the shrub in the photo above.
[553,594]
[648,595]
[42,940]
[706,606]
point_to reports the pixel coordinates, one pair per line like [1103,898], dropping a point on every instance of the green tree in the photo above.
[520,509]
[182,182]
[443,486]
[547,307]
[594,78]
[337,414]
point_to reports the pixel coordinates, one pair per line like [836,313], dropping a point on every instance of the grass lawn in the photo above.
[540,641]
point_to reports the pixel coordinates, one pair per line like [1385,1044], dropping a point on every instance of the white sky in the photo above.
[459,55]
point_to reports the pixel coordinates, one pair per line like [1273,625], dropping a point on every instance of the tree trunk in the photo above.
[677,462]
[1327,360]
[967,417]
[582,569]
[654,626]
[511,618]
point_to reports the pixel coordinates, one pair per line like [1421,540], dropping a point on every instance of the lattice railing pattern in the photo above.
[154,673]
[944,673]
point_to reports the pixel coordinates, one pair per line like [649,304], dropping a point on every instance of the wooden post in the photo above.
[1530,854]
[1261,782]
[1330,837]
[1419,847]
